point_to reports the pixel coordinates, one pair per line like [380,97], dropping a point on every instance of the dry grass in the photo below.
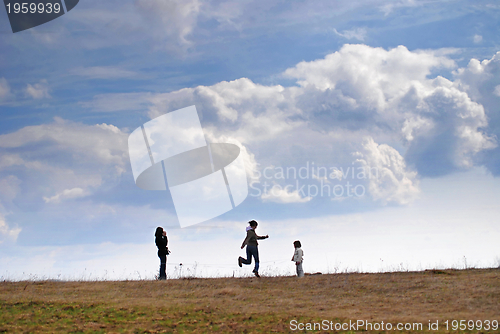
[249,305]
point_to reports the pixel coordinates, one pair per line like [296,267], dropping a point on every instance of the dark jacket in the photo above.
[251,239]
[161,243]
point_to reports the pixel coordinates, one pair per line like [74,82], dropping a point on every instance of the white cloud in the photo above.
[481,82]
[7,160]
[38,91]
[497,91]
[477,39]
[101,142]
[392,87]
[174,18]
[140,24]
[279,194]
[372,77]
[454,124]
[413,124]
[391,181]
[356,92]
[4,89]
[357,33]
[477,73]
[62,160]
[247,157]
[66,194]
[7,233]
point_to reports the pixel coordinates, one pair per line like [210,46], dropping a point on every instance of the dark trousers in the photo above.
[163,266]
[252,251]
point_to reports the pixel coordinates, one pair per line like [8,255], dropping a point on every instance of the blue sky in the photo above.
[407,89]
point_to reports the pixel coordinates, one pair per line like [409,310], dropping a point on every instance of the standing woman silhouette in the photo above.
[161,241]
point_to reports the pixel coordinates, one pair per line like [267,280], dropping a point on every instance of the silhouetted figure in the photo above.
[252,247]
[297,258]
[161,241]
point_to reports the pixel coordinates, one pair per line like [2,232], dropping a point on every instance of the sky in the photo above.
[369,131]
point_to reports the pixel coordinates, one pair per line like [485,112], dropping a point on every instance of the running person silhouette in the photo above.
[252,247]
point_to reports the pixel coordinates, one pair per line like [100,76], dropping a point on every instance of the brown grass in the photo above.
[249,305]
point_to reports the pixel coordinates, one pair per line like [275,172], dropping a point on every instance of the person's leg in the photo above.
[300,271]
[163,267]
[248,260]
[255,253]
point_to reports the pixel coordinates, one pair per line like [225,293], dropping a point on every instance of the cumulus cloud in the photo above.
[436,124]
[38,91]
[368,77]
[389,179]
[450,133]
[442,125]
[480,81]
[356,92]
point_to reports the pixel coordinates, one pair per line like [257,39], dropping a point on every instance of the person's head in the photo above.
[297,244]
[253,224]
[159,232]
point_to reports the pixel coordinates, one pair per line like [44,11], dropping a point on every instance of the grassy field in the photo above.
[252,305]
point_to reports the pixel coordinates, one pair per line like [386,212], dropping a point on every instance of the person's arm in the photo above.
[261,237]
[166,245]
[246,239]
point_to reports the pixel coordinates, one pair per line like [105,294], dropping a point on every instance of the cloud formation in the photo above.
[61,160]
[38,91]
[4,90]
[358,92]
[480,81]
[360,106]
[173,18]
[392,181]
[357,33]
[66,194]
[6,232]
